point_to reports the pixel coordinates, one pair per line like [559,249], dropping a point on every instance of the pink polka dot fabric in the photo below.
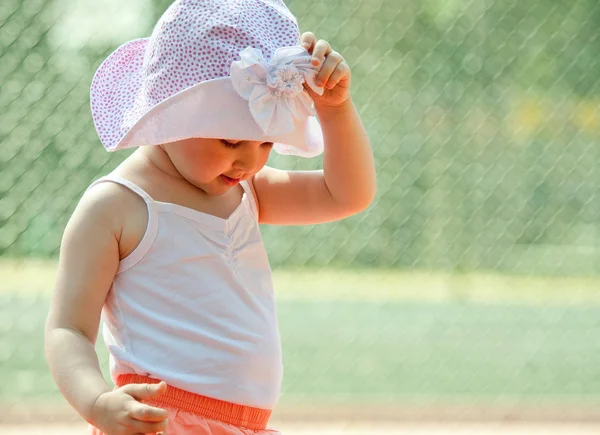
[194,42]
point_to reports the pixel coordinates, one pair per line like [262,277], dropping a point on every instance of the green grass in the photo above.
[31,278]
[411,351]
[379,336]
[392,351]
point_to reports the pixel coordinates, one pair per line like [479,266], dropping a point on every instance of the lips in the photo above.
[230,181]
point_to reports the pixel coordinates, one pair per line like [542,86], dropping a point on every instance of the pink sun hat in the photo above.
[227,69]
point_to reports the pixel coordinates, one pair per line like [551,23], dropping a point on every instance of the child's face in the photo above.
[216,165]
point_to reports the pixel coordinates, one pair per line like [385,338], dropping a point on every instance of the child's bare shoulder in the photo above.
[112,208]
[109,202]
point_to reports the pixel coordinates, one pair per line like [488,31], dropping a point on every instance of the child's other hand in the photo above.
[120,412]
[334,74]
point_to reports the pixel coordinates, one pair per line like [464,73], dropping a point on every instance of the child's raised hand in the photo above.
[334,74]
[120,412]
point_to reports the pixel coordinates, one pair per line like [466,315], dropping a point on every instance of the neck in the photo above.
[156,159]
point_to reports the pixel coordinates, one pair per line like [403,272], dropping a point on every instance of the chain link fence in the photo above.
[485,120]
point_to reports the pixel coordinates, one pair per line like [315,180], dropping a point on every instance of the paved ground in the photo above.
[363,429]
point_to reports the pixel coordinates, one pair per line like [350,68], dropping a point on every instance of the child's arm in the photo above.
[89,259]
[346,185]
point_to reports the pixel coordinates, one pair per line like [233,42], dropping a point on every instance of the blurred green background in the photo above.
[472,279]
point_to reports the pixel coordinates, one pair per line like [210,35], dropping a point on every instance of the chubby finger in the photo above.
[331,63]
[308,41]
[142,412]
[145,391]
[321,50]
[342,72]
[149,427]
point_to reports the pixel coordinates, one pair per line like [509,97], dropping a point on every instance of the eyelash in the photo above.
[229,144]
[235,145]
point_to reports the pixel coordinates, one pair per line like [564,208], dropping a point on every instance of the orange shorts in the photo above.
[192,414]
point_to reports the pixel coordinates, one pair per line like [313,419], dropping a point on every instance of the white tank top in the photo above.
[193,305]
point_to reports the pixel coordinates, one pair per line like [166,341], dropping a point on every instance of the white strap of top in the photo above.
[150,202]
[131,186]
[138,253]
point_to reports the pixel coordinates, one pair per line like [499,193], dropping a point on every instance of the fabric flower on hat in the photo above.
[275,89]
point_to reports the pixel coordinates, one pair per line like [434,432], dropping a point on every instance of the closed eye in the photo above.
[229,144]
[237,144]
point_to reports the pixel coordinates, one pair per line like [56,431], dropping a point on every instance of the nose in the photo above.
[247,160]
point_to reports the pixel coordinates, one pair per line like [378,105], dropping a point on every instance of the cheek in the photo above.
[190,161]
[198,164]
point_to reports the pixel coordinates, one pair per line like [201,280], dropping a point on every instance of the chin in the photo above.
[213,190]
[216,188]
[219,192]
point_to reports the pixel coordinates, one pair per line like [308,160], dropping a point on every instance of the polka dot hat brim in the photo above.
[211,69]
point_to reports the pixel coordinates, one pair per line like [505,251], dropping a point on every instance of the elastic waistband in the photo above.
[207,407]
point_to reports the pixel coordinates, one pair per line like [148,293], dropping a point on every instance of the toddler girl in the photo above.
[167,247]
